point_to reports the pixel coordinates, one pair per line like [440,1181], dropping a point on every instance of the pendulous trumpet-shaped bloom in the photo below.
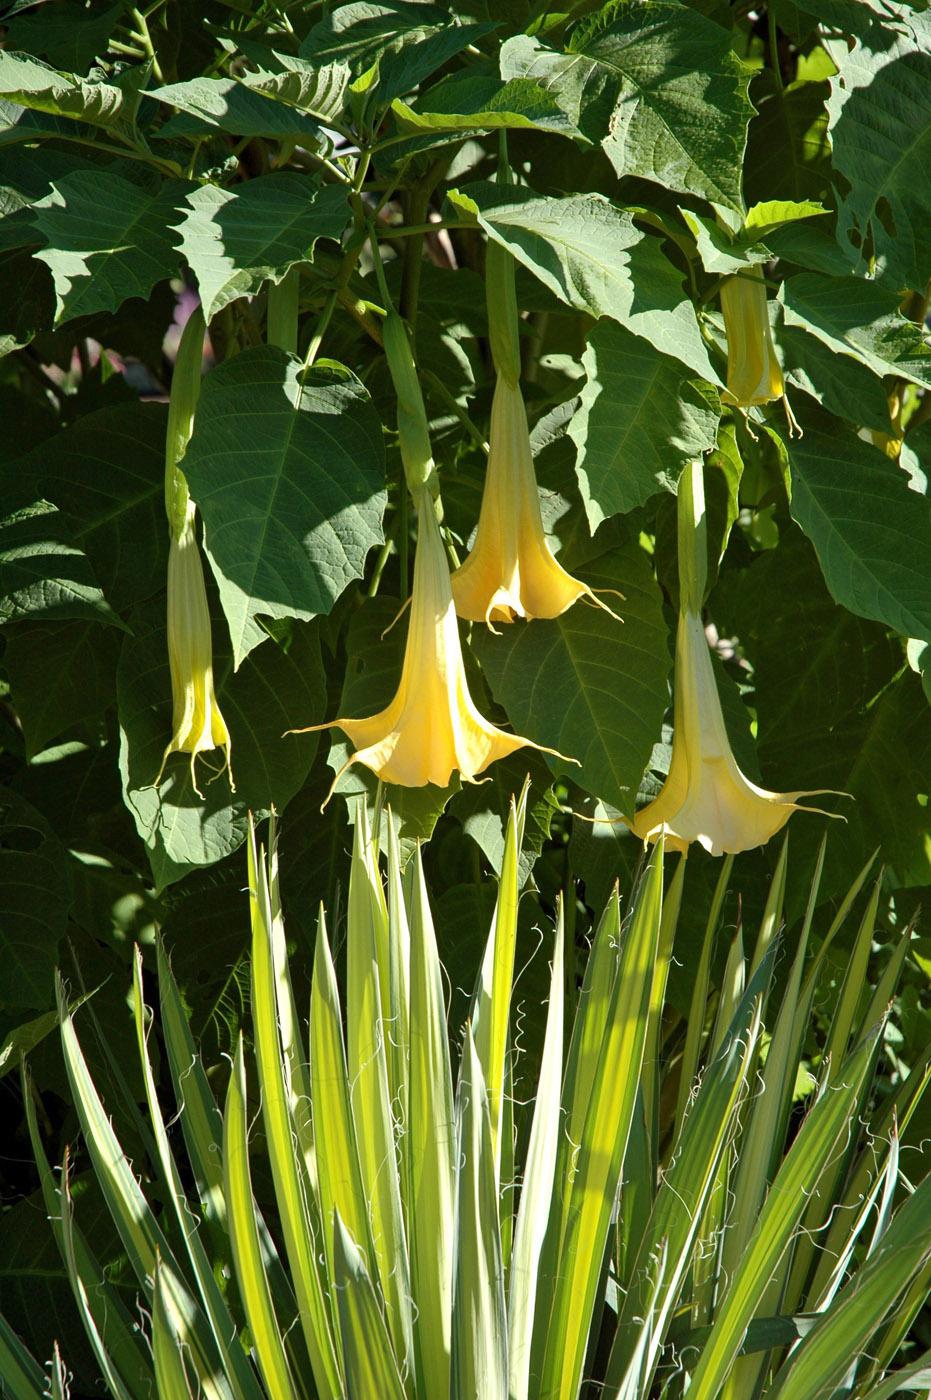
[511,570]
[705,798]
[197,724]
[431,728]
[754,375]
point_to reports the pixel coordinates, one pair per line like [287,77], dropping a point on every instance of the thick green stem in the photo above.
[501,293]
[692,539]
[282,309]
[415,213]
[347,266]
[316,340]
[185,391]
[392,231]
[380,562]
[503,321]
[412,258]
[413,425]
[145,39]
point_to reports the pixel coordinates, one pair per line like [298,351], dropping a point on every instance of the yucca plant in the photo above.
[664,1224]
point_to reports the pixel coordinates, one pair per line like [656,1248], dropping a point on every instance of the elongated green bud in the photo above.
[185,391]
[283,304]
[413,430]
[501,296]
[692,540]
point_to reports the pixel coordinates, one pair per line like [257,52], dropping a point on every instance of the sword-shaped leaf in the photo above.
[827,1124]
[244,1236]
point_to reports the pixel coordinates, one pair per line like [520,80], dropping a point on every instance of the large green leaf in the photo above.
[289,478]
[882,759]
[205,938]
[872,534]
[407,42]
[273,691]
[724,251]
[830,712]
[60,673]
[236,239]
[106,475]
[592,256]
[67,37]
[483,102]
[637,78]
[361,32]
[400,71]
[640,420]
[839,382]
[25,80]
[788,154]
[27,175]
[880,131]
[587,685]
[317,89]
[482,808]
[35,896]
[206,105]
[27,299]
[44,575]
[853,316]
[107,239]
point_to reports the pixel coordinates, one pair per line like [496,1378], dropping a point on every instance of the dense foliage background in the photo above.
[231,152]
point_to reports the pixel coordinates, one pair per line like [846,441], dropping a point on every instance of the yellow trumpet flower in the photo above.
[197,723]
[511,570]
[706,798]
[431,728]
[754,375]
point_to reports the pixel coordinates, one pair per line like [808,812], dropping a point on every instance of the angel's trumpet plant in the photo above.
[197,723]
[511,571]
[432,727]
[706,798]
